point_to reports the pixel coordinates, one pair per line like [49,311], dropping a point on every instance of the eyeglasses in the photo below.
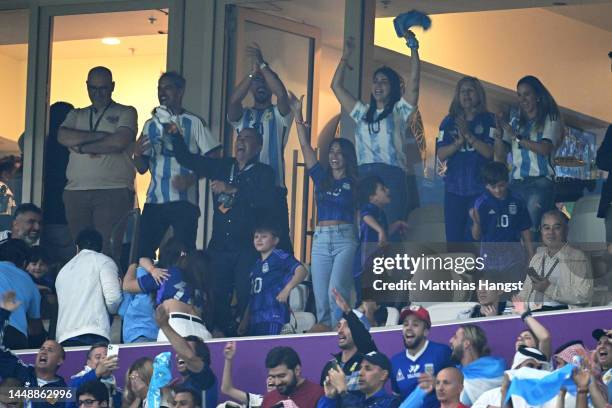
[87,402]
[135,377]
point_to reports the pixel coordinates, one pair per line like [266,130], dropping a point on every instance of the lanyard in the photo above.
[550,271]
[232,175]
[92,127]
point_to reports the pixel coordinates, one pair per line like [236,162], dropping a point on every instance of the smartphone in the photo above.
[531,272]
[112,350]
[429,369]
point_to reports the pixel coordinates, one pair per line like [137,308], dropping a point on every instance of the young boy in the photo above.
[272,278]
[500,222]
[39,269]
[373,195]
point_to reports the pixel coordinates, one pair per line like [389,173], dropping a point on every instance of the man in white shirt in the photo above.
[87,291]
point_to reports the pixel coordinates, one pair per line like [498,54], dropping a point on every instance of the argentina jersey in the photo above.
[268,278]
[274,127]
[501,224]
[406,369]
[526,163]
[164,166]
[463,168]
[382,142]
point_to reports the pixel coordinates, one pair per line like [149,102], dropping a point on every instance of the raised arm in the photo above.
[412,92]
[130,282]
[179,344]
[227,385]
[310,157]
[234,110]
[500,147]
[347,101]
[272,79]
[540,332]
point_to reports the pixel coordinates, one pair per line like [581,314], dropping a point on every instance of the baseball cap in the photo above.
[598,333]
[527,353]
[418,311]
[378,359]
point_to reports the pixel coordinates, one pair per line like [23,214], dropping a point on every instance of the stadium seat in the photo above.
[298,298]
[300,322]
[448,311]
[392,316]
[586,231]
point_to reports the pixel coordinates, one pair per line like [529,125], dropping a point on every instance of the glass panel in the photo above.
[13,74]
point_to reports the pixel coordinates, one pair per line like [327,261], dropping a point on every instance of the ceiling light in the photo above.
[111,41]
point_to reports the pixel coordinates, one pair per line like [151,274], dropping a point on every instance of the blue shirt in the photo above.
[268,278]
[13,278]
[368,237]
[501,224]
[172,288]
[137,311]
[204,381]
[335,204]
[405,370]
[463,168]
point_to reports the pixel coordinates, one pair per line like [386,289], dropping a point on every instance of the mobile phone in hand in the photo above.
[112,350]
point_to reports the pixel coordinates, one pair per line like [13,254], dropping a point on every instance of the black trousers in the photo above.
[182,216]
[231,272]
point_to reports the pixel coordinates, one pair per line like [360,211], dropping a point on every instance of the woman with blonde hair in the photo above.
[137,381]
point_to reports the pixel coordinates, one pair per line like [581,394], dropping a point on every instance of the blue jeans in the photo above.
[333,254]
[539,196]
[396,181]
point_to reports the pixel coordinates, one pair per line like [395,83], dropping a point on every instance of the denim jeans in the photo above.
[333,254]
[396,181]
[538,193]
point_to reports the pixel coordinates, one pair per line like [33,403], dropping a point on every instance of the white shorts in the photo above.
[186,325]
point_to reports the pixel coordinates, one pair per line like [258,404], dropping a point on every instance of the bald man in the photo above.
[449,384]
[100,188]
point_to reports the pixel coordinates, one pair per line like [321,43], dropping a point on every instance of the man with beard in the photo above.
[285,373]
[481,372]
[419,356]
[354,341]
[26,225]
[603,357]
[373,374]
[192,360]
[48,359]
[272,121]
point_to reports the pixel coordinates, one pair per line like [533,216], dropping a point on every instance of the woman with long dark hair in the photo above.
[184,292]
[383,125]
[465,142]
[532,137]
[334,242]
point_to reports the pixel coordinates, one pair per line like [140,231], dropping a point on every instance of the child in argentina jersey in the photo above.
[501,221]
[273,277]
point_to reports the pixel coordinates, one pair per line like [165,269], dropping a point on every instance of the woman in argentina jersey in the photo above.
[532,137]
[466,142]
[382,125]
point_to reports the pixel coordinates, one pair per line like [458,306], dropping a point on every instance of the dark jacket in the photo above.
[604,162]
[357,400]
[255,200]
[11,366]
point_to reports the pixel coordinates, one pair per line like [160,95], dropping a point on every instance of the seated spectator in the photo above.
[536,335]
[48,360]
[186,398]
[24,323]
[373,374]
[137,379]
[39,269]
[564,275]
[471,351]
[603,357]
[410,364]
[26,225]
[245,398]
[374,314]
[524,357]
[192,359]
[273,277]
[92,394]
[285,371]
[87,291]
[489,304]
[6,386]
[137,312]
[100,368]
[354,341]
[183,293]
[500,223]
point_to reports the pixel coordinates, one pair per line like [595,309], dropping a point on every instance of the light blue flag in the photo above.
[161,376]
[538,391]
[415,399]
[481,375]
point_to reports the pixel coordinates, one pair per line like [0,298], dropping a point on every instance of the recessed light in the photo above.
[111,41]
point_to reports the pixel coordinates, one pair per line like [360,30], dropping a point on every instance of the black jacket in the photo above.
[604,162]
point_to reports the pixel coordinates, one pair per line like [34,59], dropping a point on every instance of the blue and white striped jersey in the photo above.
[382,142]
[275,130]
[162,163]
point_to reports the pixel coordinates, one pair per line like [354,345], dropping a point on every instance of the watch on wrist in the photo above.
[263,65]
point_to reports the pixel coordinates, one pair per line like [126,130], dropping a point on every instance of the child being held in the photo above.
[500,222]
[38,267]
[274,275]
